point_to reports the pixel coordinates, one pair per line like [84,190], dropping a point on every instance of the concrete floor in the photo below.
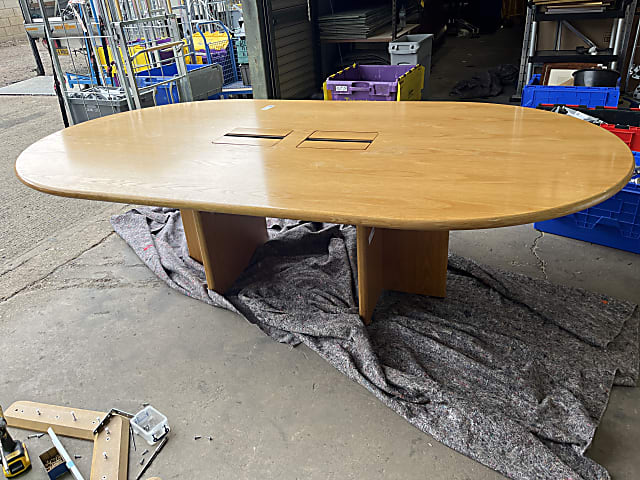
[38,231]
[459,58]
[84,324]
[102,331]
[18,63]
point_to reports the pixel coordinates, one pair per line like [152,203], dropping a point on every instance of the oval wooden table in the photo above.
[405,173]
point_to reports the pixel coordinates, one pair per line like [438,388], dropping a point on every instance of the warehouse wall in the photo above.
[11,24]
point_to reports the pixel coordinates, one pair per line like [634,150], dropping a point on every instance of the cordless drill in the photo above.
[15,458]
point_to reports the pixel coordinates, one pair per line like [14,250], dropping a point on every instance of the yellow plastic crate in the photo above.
[215,40]
[140,63]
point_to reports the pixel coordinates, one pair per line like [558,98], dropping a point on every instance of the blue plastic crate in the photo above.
[613,223]
[167,93]
[77,79]
[535,94]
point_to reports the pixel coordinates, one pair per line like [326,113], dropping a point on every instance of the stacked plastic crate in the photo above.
[535,94]
[615,222]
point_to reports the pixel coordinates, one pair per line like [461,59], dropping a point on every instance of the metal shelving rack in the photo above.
[622,21]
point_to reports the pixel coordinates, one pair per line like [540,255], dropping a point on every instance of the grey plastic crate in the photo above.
[414,50]
[206,81]
[96,102]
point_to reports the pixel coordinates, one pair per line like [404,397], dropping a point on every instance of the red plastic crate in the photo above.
[629,135]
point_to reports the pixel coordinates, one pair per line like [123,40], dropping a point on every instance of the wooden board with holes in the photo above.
[411,166]
[40,416]
[79,423]
[115,443]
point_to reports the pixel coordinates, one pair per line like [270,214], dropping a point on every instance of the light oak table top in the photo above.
[403,165]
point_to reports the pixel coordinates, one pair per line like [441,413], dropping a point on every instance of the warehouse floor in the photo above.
[101,331]
[83,323]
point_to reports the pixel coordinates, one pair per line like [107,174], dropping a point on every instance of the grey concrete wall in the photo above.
[256,38]
[11,23]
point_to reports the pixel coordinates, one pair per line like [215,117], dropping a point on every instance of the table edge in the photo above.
[368,220]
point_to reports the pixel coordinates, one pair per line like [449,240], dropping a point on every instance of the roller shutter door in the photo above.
[294,67]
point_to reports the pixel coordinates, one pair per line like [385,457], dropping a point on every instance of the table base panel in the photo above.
[223,243]
[402,260]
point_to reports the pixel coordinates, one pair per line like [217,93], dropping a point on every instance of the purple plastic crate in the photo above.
[219,57]
[163,54]
[367,82]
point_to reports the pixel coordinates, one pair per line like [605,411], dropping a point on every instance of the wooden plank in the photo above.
[226,245]
[370,270]
[115,444]
[78,423]
[25,415]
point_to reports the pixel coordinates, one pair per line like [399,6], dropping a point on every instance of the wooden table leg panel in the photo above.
[416,261]
[402,260]
[191,232]
[223,243]
[370,269]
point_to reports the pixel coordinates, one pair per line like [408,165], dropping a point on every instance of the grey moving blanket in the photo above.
[511,371]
